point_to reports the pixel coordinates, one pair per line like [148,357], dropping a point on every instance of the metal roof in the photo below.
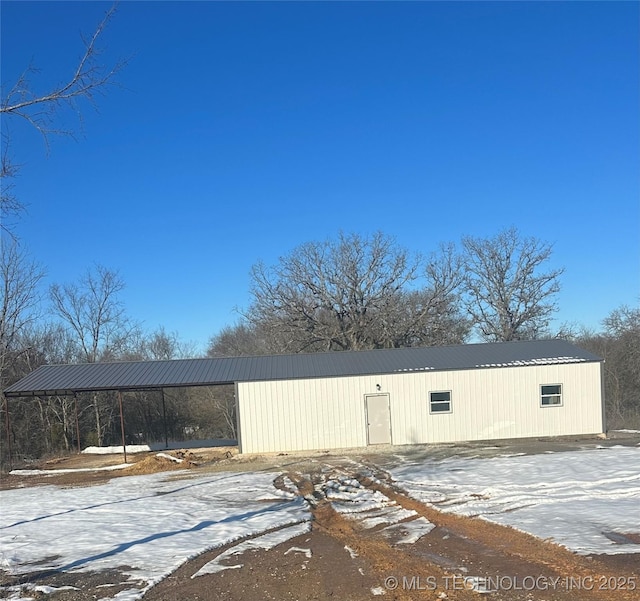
[140,375]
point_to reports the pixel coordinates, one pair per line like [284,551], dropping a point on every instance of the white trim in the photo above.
[551,396]
[431,402]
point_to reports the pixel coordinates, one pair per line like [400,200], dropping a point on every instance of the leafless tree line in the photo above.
[357,292]
[85,322]
[618,343]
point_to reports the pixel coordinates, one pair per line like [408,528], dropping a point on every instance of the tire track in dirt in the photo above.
[505,539]
[383,560]
[459,552]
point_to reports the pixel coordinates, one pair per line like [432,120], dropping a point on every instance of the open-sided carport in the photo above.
[121,377]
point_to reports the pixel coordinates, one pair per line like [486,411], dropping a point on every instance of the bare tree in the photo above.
[42,109]
[88,78]
[325,296]
[430,314]
[19,300]
[243,338]
[40,425]
[94,313]
[222,400]
[161,344]
[158,345]
[619,345]
[10,206]
[623,321]
[353,293]
[510,295]
[19,304]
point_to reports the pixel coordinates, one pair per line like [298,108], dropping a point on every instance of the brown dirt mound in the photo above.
[157,463]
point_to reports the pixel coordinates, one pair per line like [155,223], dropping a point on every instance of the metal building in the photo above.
[392,396]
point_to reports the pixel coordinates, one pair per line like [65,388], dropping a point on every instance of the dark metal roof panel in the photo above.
[65,379]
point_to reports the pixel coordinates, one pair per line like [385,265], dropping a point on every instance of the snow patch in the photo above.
[169,457]
[120,466]
[264,542]
[131,448]
[570,497]
[387,515]
[541,361]
[477,584]
[348,496]
[306,552]
[16,592]
[409,532]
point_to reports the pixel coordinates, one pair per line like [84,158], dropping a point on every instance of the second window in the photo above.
[440,402]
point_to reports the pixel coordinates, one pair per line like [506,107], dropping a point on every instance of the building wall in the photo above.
[325,413]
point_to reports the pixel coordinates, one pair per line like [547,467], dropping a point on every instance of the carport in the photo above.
[121,377]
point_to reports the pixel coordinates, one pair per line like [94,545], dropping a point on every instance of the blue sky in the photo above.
[241,130]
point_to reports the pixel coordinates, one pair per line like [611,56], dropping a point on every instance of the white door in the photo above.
[378,419]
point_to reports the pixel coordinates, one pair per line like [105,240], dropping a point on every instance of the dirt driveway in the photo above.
[342,559]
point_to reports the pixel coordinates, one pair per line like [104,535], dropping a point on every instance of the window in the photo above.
[551,395]
[440,402]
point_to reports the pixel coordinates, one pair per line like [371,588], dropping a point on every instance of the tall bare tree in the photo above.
[94,313]
[324,296]
[92,308]
[622,327]
[19,304]
[352,293]
[510,292]
[19,299]
[42,109]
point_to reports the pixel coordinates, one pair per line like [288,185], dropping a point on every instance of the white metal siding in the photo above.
[497,403]
[490,403]
[301,415]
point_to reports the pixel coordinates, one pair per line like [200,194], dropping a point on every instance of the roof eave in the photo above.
[70,392]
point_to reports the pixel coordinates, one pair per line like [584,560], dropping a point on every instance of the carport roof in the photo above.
[145,375]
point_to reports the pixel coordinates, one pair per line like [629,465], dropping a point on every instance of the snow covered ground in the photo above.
[585,500]
[152,523]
